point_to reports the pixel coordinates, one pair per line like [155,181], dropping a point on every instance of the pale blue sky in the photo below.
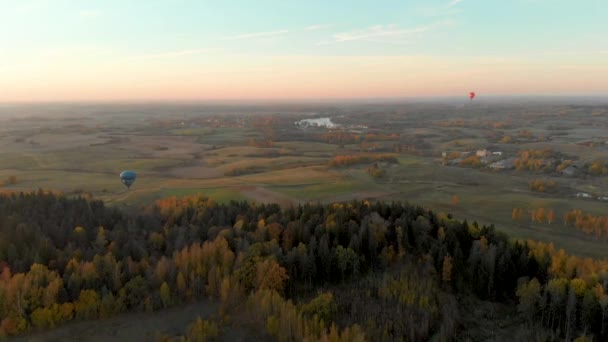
[68,49]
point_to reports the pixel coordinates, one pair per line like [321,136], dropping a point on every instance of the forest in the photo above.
[350,271]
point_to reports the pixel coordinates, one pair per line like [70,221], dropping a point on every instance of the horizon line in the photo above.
[480,98]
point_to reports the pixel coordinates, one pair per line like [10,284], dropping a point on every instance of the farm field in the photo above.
[258,154]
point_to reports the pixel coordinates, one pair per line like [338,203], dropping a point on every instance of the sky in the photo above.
[73,50]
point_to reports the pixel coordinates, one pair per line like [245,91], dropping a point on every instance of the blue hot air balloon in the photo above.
[128,178]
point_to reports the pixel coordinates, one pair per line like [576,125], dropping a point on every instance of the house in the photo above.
[504,164]
[570,170]
[483,153]
[573,169]
[489,159]
[455,161]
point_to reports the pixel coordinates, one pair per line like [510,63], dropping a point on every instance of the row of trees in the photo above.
[473,123]
[538,215]
[585,222]
[10,180]
[571,301]
[598,168]
[471,161]
[540,185]
[343,137]
[348,160]
[536,160]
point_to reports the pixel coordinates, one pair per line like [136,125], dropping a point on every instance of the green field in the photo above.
[181,156]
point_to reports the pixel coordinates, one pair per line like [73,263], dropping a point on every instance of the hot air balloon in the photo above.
[128,178]
[472,95]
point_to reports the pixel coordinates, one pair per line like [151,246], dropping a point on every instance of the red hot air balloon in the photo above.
[472,95]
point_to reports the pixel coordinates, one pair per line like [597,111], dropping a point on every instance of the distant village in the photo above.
[497,160]
[492,159]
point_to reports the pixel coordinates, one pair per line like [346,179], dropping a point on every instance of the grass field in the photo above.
[86,154]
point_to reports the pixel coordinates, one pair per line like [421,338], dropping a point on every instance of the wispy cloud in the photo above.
[374,33]
[172,54]
[317,27]
[568,53]
[256,35]
[442,10]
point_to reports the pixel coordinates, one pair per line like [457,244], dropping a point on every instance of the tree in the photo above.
[517,214]
[557,290]
[165,294]
[551,216]
[346,260]
[270,275]
[136,292]
[604,305]
[42,318]
[455,201]
[322,306]
[101,240]
[446,273]
[87,306]
[202,330]
[181,285]
[529,297]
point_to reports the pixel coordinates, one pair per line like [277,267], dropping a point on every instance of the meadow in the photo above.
[258,154]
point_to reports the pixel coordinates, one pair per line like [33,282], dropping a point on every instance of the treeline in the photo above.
[10,180]
[344,137]
[471,161]
[598,168]
[538,215]
[570,299]
[587,223]
[540,185]
[361,159]
[536,160]
[473,124]
[548,161]
[390,270]
[376,171]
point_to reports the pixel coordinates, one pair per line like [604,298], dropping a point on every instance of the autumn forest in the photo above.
[338,272]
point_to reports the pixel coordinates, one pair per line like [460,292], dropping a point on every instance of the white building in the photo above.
[483,153]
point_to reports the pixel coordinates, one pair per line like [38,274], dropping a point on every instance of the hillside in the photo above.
[346,271]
